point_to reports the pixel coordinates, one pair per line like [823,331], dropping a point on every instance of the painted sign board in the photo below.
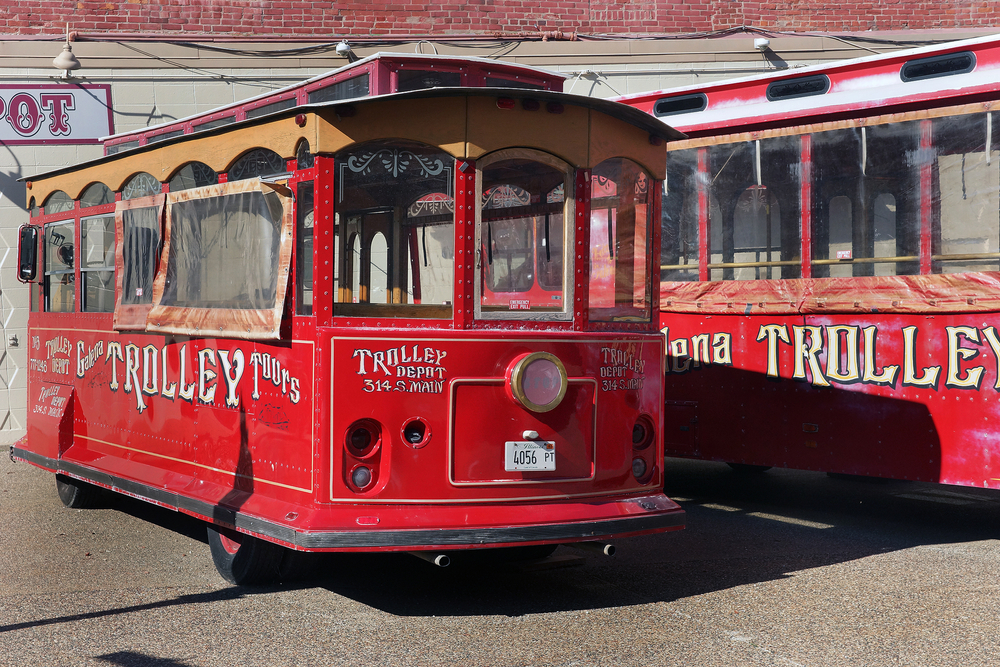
[66,113]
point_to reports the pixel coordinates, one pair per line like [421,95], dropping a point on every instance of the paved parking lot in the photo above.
[781,568]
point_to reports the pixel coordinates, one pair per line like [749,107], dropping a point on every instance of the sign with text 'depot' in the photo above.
[65,113]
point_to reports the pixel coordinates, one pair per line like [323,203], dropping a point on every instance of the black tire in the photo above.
[747,468]
[76,494]
[242,559]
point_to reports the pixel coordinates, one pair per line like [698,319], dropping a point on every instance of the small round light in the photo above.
[638,467]
[360,438]
[642,432]
[363,438]
[361,476]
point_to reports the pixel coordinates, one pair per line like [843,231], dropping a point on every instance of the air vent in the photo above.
[671,106]
[800,87]
[930,68]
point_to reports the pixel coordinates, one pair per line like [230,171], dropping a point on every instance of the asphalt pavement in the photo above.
[782,568]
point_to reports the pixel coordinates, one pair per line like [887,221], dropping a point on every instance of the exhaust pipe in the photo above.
[595,547]
[441,560]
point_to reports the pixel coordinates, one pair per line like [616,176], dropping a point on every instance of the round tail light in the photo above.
[642,432]
[361,477]
[639,468]
[363,438]
[537,381]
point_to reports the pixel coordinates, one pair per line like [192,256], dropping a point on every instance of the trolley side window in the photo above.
[304,248]
[522,236]
[97,263]
[755,209]
[226,254]
[60,279]
[394,251]
[683,199]
[866,201]
[620,242]
[965,203]
[140,250]
[138,219]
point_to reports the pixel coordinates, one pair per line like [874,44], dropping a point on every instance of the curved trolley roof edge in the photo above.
[855,86]
[639,119]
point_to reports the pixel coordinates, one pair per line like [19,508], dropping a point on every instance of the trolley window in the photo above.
[866,193]
[97,263]
[683,198]
[521,236]
[60,279]
[137,255]
[97,195]
[227,250]
[620,242]
[58,202]
[394,251]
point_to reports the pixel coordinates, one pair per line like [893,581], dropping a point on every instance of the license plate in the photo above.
[530,455]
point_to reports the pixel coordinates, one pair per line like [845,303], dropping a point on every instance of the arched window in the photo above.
[258,162]
[97,194]
[304,159]
[884,214]
[141,185]
[58,202]
[378,251]
[193,175]
[841,235]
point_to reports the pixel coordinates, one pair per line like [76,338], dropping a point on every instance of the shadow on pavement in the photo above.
[741,529]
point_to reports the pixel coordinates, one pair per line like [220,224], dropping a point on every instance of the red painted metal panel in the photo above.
[902,396]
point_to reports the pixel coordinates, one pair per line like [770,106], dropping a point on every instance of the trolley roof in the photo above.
[382,69]
[466,122]
[940,75]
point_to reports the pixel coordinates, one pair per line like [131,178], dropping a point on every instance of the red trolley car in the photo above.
[831,264]
[286,317]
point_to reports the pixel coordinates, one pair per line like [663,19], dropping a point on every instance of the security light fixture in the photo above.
[344,51]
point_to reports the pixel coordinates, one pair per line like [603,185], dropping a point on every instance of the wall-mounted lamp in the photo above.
[344,51]
[761,43]
[66,61]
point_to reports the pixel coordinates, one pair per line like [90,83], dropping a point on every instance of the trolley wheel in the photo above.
[242,559]
[76,494]
[747,468]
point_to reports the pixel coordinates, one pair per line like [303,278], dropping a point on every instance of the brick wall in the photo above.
[404,18]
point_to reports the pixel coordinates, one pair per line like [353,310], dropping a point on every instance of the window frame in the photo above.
[569,236]
[246,324]
[47,272]
[132,316]
[94,269]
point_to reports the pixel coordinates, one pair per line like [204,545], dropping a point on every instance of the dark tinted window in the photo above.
[929,68]
[801,87]
[669,106]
